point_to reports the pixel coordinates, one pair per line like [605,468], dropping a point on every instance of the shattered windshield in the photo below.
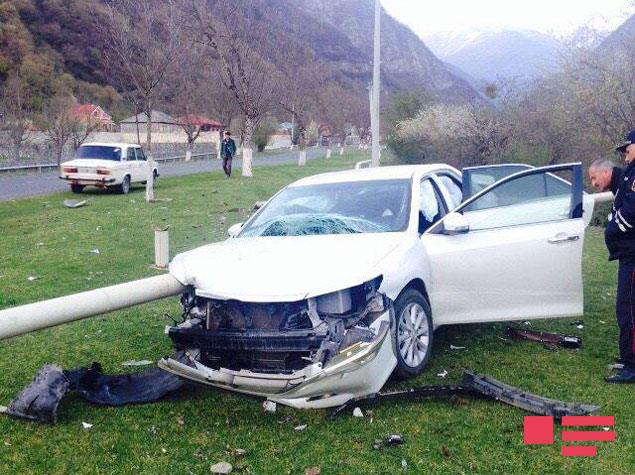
[99,152]
[377,206]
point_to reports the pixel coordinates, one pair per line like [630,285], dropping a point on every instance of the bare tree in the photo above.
[15,108]
[301,80]
[58,124]
[82,130]
[231,30]
[336,108]
[143,43]
[189,96]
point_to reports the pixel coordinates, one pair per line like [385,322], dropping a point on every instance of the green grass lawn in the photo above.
[188,432]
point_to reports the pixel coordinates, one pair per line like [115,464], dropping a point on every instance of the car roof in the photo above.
[380,173]
[113,144]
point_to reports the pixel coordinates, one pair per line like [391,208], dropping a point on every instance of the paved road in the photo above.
[35,184]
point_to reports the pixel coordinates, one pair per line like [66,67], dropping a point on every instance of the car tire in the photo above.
[77,188]
[413,333]
[124,188]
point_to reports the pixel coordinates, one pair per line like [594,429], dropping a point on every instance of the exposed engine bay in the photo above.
[279,338]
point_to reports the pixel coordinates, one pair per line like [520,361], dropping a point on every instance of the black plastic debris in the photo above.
[572,342]
[39,401]
[483,387]
[394,439]
[390,441]
[121,389]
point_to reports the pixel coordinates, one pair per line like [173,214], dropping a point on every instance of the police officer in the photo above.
[620,240]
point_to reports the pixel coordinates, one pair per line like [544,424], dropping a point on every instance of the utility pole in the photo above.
[374,113]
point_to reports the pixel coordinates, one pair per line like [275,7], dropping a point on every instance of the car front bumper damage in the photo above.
[357,370]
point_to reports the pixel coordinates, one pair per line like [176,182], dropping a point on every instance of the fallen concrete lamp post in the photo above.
[49,313]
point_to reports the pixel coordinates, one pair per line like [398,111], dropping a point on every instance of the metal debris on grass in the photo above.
[95,251]
[31,278]
[300,428]
[86,425]
[269,407]
[452,347]
[357,412]
[443,374]
[137,363]
[571,342]
[73,204]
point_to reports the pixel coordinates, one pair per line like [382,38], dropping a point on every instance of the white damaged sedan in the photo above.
[341,278]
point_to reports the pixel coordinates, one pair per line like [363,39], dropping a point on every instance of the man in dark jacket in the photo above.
[620,240]
[604,175]
[227,152]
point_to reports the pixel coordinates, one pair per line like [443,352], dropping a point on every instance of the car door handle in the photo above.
[561,239]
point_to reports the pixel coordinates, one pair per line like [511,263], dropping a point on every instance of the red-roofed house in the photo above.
[92,114]
[206,125]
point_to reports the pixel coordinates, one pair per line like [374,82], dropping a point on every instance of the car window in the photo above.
[429,209]
[99,152]
[476,179]
[373,206]
[130,156]
[454,189]
[529,199]
[140,154]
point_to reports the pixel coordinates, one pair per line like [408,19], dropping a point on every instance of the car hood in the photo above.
[91,163]
[282,269]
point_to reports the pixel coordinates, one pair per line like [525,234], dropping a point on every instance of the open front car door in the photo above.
[512,251]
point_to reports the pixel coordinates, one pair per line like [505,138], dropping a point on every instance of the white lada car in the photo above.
[116,165]
[341,278]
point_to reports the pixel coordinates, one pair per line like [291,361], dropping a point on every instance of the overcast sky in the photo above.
[561,17]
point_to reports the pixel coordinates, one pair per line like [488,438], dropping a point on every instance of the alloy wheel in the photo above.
[413,335]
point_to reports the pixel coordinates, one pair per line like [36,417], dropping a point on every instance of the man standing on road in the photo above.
[227,152]
[620,240]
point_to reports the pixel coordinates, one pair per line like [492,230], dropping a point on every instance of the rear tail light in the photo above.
[103,172]
[70,170]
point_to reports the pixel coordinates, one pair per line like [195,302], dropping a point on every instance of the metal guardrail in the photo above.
[52,166]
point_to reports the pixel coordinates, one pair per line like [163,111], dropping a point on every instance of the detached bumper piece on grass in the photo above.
[572,342]
[39,401]
[483,387]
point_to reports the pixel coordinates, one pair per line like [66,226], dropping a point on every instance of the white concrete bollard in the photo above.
[328,153]
[342,151]
[161,247]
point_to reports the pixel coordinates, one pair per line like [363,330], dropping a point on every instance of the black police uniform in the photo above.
[620,240]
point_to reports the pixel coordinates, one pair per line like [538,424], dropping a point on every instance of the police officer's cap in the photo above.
[628,140]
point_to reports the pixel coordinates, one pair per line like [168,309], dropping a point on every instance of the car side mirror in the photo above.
[455,223]
[234,230]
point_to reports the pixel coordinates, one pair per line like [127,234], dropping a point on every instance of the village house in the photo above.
[93,115]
